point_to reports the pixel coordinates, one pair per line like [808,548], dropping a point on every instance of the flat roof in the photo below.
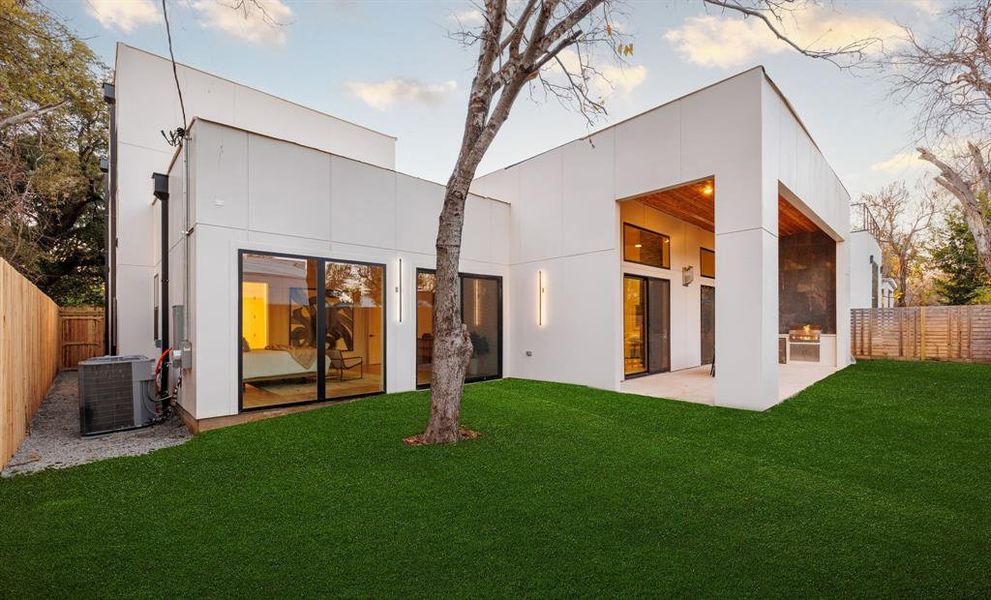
[195,119]
[774,86]
[248,87]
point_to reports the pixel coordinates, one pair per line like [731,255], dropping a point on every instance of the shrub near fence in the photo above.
[953,333]
[29,338]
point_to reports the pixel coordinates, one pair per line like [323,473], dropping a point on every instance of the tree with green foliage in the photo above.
[962,279]
[53,133]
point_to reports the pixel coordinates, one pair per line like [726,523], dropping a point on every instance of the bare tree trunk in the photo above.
[535,34]
[973,198]
[452,345]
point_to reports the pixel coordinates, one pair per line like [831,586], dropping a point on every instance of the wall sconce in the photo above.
[540,298]
[687,275]
[399,290]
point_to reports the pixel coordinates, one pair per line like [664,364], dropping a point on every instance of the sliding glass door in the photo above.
[481,311]
[658,325]
[634,325]
[355,329]
[296,348]
[646,325]
[708,324]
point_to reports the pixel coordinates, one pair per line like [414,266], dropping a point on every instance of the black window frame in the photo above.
[461,305]
[645,281]
[664,265]
[702,250]
[321,328]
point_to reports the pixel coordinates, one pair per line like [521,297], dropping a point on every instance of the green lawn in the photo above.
[875,482]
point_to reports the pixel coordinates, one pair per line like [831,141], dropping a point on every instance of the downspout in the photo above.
[187,231]
[110,228]
[162,195]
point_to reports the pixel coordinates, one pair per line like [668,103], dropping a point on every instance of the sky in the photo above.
[393,66]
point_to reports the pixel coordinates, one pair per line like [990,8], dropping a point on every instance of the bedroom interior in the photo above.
[281,323]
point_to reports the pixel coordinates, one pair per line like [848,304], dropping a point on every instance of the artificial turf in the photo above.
[874,482]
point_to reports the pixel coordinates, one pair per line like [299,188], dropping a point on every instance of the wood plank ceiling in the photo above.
[694,204]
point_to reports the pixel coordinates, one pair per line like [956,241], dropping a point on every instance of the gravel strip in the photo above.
[54,440]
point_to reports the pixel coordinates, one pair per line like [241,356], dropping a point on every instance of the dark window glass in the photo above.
[707,263]
[708,324]
[480,312]
[481,309]
[646,247]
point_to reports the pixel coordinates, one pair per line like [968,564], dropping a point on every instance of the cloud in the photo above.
[900,163]
[927,7]
[384,94]
[255,21]
[624,79]
[730,41]
[471,17]
[610,78]
[125,15]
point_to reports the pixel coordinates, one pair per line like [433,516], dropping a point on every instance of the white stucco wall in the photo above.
[863,246]
[146,104]
[566,224]
[252,192]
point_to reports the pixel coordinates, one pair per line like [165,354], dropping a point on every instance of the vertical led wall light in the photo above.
[540,298]
[399,289]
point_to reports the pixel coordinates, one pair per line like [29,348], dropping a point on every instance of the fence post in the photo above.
[922,333]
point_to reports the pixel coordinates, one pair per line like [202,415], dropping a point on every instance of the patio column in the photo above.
[747,291]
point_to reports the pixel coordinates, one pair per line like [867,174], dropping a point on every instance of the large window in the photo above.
[646,247]
[481,311]
[296,348]
[707,263]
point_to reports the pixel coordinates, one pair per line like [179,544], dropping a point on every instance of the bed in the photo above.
[262,365]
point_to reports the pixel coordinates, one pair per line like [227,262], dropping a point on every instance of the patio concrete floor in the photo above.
[695,384]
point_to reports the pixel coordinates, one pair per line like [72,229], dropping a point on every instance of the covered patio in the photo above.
[697,385]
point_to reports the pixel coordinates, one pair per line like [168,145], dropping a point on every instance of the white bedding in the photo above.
[265,364]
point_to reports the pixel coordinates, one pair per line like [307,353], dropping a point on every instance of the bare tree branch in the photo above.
[30,115]
[770,13]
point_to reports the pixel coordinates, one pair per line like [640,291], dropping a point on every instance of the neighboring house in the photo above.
[867,266]
[888,287]
[299,260]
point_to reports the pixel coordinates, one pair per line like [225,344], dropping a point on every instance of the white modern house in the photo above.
[297,261]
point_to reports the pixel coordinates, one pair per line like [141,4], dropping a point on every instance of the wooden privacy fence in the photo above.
[29,338]
[953,333]
[80,334]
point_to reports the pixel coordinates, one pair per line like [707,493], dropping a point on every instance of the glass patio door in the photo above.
[658,325]
[708,324]
[646,325]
